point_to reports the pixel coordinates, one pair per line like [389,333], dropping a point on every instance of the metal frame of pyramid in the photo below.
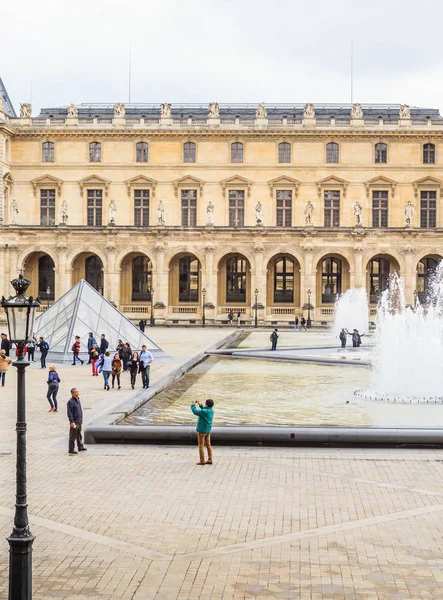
[81,310]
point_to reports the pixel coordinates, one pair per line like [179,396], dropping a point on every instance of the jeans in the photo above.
[76,357]
[274,345]
[204,440]
[133,377]
[52,396]
[43,359]
[2,377]
[118,379]
[145,375]
[125,364]
[75,435]
[31,354]
[106,377]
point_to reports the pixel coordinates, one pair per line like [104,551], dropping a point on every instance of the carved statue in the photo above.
[72,111]
[64,213]
[309,211]
[119,110]
[409,214]
[358,212]
[161,213]
[357,111]
[259,213]
[26,111]
[165,111]
[210,214]
[14,212]
[309,111]
[261,112]
[213,110]
[405,111]
[112,212]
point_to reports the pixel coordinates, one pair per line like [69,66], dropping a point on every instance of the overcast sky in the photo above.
[222,50]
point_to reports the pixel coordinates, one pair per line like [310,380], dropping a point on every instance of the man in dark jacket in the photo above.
[103,344]
[75,416]
[91,341]
[274,339]
[43,346]
[5,345]
[142,324]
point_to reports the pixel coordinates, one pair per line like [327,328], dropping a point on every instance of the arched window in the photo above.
[189,152]
[428,154]
[425,274]
[381,153]
[237,152]
[236,279]
[141,279]
[95,152]
[284,280]
[332,152]
[94,272]
[46,277]
[331,280]
[141,151]
[379,270]
[284,152]
[188,269]
[48,152]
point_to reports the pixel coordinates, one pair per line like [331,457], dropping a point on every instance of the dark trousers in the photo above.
[52,396]
[145,376]
[118,379]
[2,377]
[343,343]
[75,435]
[125,364]
[274,345]
[43,359]
[76,357]
[354,344]
[31,354]
[133,377]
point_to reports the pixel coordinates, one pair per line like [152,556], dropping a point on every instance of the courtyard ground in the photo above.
[144,522]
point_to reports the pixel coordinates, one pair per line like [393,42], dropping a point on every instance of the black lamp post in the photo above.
[203,307]
[256,309]
[152,320]
[308,324]
[48,293]
[20,313]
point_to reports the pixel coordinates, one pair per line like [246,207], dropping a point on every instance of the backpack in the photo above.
[44,345]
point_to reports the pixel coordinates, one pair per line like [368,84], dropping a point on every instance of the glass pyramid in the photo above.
[80,311]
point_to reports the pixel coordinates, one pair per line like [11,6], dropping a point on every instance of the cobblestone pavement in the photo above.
[144,522]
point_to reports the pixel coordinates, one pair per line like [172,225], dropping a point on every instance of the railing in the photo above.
[132,121]
[85,121]
[104,121]
[342,121]
[372,122]
[247,121]
[327,311]
[282,311]
[235,309]
[185,310]
[323,122]
[39,121]
[227,121]
[135,308]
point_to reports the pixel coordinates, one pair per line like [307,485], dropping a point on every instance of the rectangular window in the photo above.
[95,207]
[189,208]
[236,208]
[380,209]
[189,152]
[141,208]
[428,209]
[332,208]
[284,208]
[47,207]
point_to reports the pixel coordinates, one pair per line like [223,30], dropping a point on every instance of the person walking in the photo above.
[91,342]
[205,416]
[120,349]
[76,351]
[343,336]
[239,319]
[296,323]
[5,361]
[5,344]
[75,416]
[94,355]
[145,359]
[133,368]
[30,346]
[303,324]
[126,356]
[230,317]
[355,338]
[142,324]
[53,385]
[43,346]
[274,339]
[107,369]
[116,369]
[103,344]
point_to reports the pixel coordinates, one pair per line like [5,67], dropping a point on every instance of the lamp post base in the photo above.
[20,567]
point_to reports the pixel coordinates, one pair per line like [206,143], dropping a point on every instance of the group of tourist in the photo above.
[355,337]
[300,323]
[231,317]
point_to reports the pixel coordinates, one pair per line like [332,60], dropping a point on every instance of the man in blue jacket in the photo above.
[91,341]
[204,426]
[75,416]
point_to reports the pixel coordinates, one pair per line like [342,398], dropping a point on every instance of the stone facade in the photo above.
[140,163]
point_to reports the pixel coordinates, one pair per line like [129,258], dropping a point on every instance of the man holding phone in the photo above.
[75,416]
[205,416]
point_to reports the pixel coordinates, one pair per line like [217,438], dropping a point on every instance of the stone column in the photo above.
[3,281]
[208,276]
[260,276]
[358,268]
[409,275]
[110,275]
[308,281]
[161,276]
[61,276]
[13,267]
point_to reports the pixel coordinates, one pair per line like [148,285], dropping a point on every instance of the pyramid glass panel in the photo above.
[81,310]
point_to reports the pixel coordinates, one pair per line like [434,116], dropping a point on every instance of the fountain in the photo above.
[351,312]
[408,354]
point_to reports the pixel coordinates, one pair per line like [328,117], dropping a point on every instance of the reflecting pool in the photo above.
[258,392]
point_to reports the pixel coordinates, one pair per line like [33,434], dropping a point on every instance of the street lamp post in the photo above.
[20,314]
[48,293]
[203,307]
[256,309]
[308,324]
[152,320]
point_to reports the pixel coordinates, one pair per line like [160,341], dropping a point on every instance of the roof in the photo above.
[9,109]
[244,111]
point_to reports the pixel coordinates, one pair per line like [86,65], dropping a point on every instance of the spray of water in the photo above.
[351,312]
